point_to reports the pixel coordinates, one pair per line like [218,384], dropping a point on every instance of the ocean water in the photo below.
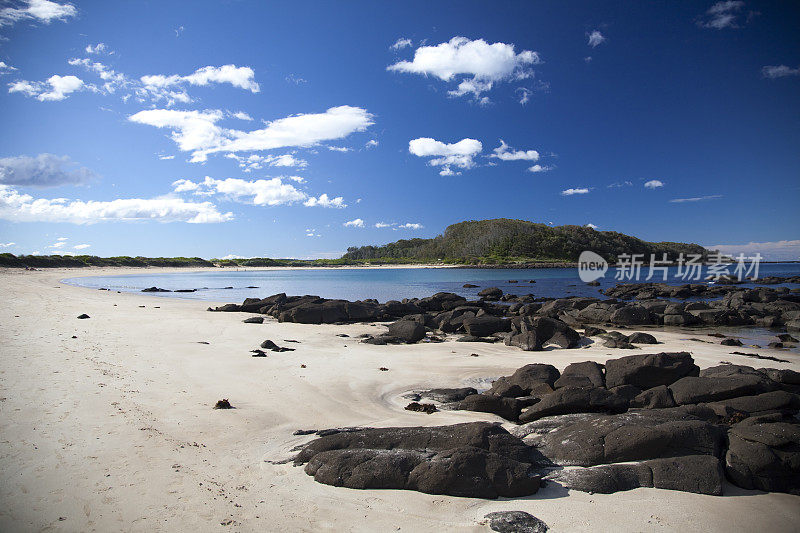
[234,285]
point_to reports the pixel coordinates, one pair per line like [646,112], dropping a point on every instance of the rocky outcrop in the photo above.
[702,474]
[478,460]
[651,370]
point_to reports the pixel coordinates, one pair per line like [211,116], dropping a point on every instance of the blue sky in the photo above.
[263,129]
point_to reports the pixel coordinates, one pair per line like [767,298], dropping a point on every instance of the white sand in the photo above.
[114,430]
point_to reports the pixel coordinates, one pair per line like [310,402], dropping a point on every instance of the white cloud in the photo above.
[18,207]
[241,115]
[772,71]
[324,201]
[269,192]
[570,192]
[503,153]
[54,89]
[722,15]
[476,64]
[372,143]
[460,154]
[401,43]
[81,246]
[7,244]
[595,39]
[771,251]
[540,168]
[339,149]
[525,95]
[385,224]
[183,185]
[696,198]
[312,233]
[42,11]
[99,48]
[61,243]
[618,184]
[166,157]
[653,184]
[170,88]
[262,192]
[587,59]
[198,132]
[591,226]
[257,162]
[5,69]
[291,78]
[62,239]
[411,225]
[112,80]
[234,256]
[44,170]
[241,77]
[356,223]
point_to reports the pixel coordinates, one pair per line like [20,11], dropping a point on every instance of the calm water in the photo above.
[382,284]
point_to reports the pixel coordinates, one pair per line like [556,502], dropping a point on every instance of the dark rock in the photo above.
[591,331]
[505,407]
[382,340]
[483,326]
[649,370]
[731,342]
[469,286]
[618,343]
[448,395]
[764,454]
[515,522]
[83,316]
[407,330]
[427,408]
[629,392]
[479,460]
[777,401]
[785,337]
[575,400]
[641,338]
[701,474]
[526,378]
[594,283]
[269,345]
[223,404]
[534,334]
[710,389]
[588,370]
[155,289]
[254,320]
[591,439]
[492,293]
[775,345]
[631,315]
[470,338]
[656,398]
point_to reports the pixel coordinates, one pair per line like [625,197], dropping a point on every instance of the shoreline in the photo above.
[114,429]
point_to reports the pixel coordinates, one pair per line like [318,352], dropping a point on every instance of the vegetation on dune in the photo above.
[508,241]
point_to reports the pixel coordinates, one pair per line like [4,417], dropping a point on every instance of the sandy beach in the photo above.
[113,430]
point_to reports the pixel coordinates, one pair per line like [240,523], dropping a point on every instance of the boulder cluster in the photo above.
[650,420]
[497,316]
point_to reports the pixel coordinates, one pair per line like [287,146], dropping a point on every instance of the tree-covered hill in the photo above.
[506,240]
